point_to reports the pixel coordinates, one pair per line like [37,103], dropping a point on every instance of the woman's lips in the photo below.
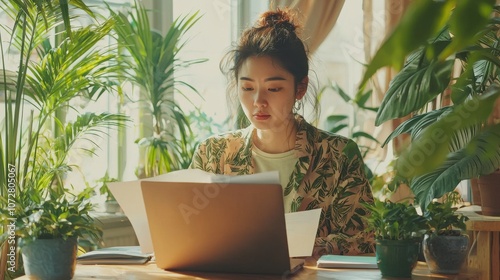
[261,117]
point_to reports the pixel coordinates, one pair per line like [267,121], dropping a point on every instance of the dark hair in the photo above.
[274,35]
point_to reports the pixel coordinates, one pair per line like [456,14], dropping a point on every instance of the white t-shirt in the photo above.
[284,163]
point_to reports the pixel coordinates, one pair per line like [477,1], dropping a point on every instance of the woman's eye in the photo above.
[246,88]
[276,89]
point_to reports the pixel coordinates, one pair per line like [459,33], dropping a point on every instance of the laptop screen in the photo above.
[219,227]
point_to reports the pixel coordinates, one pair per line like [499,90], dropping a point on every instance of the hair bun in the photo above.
[278,18]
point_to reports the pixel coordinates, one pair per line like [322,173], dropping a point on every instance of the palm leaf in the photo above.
[153,60]
[64,72]
[86,127]
[153,57]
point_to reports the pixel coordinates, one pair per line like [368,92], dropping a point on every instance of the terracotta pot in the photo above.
[489,186]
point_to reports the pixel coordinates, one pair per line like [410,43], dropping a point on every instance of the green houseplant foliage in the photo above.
[446,245]
[57,217]
[452,143]
[38,139]
[442,219]
[43,208]
[398,230]
[153,59]
[394,220]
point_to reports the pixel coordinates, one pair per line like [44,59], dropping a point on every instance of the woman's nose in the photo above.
[260,98]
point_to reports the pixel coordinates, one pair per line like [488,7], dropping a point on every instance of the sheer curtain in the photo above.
[394,9]
[318,18]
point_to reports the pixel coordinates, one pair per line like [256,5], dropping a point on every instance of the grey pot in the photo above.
[50,259]
[445,254]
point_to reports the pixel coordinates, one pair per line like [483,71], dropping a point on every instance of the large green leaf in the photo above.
[361,134]
[412,88]
[419,23]
[416,124]
[428,151]
[466,22]
[482,64]
[480,157]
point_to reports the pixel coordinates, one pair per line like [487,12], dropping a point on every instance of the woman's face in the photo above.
[267,93]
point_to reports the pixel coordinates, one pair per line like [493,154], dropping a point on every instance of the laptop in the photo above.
[218,227]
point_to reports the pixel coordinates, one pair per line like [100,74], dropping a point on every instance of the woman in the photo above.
[317,169]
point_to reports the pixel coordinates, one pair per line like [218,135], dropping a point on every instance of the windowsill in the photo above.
[117,229]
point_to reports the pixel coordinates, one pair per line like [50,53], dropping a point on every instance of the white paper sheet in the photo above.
[129,196]
[301,226]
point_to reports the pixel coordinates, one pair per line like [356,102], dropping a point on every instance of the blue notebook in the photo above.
[340,261]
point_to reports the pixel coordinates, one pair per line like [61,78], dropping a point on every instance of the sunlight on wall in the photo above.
[341,56]
[209,38]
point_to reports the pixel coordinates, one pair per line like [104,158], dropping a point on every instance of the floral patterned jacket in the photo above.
[329,175]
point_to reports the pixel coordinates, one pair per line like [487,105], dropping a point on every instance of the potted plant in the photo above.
[445,245]
[454,142]
[34,151]
[48,227]
[44,217]
[398,229]
[151,60]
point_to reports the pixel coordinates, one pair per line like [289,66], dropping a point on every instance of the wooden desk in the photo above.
[310,272]
[485,238]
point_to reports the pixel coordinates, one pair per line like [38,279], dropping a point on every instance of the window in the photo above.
[338,59]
